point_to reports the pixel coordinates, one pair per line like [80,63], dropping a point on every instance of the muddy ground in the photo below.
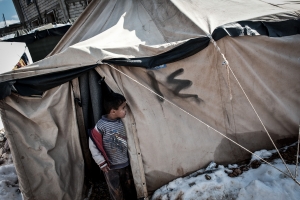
[98,191]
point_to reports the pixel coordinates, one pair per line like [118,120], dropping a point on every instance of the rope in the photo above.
[226,62]
[296,170]
[200,121]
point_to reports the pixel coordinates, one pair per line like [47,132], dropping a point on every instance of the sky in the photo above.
[8,9]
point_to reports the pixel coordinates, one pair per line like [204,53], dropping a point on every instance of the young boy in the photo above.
[108,145]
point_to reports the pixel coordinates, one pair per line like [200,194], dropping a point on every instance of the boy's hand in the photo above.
[105,169]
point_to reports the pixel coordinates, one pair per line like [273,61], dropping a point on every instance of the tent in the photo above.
[189,71]
[15,50]
[41,41]
[11,53]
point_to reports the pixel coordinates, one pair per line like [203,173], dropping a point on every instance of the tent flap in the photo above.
[46,151]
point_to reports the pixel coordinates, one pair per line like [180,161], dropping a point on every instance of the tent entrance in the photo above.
[90,89]
[89,99]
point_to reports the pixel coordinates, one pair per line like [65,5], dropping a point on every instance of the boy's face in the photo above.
[121,112]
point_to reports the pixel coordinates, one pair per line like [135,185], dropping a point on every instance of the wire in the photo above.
[296,170]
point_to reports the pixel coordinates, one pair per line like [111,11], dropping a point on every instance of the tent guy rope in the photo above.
[297,156]
[197,119]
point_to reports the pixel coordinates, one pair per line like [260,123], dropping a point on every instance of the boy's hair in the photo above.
[113,101]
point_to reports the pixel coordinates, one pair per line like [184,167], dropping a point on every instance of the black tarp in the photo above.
[251,28]
[32,37]
[38,84]
[41,43]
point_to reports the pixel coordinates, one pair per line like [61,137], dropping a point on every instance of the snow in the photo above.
[6,37]
[9,188]
[263,154]
[48,26]
[265,182]
[12,35]
[9,185]
[60,25]
[1,124]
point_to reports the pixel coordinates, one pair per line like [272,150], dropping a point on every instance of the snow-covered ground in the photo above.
[9,185]
[214,182]
[1,124]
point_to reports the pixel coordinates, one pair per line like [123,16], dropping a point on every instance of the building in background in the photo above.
[34,13]
[42,24]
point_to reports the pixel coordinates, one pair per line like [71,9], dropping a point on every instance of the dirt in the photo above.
[4,139]
[288,154]
[99,190]
[5,156]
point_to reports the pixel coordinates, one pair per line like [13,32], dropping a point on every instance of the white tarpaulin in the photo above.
[11,53]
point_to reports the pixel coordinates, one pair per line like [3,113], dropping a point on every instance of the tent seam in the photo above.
[154,23]
[229,88]
[138,150]
[76,140]
[90,13]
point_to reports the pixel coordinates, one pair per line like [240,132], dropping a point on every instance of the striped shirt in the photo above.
[114,141]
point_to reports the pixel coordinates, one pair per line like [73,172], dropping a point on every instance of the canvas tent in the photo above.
[165,47]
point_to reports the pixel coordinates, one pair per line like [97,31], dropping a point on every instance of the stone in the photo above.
[207,177]
[255,164]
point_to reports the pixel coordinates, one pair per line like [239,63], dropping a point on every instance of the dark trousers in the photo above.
[120,184]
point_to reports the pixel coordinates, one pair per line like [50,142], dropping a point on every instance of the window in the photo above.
[35,23]
[29,1]
[50,17]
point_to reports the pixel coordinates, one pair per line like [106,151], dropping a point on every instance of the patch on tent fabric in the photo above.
[159,67]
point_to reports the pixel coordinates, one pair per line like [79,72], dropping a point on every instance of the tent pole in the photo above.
[297,156]
[81,127]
